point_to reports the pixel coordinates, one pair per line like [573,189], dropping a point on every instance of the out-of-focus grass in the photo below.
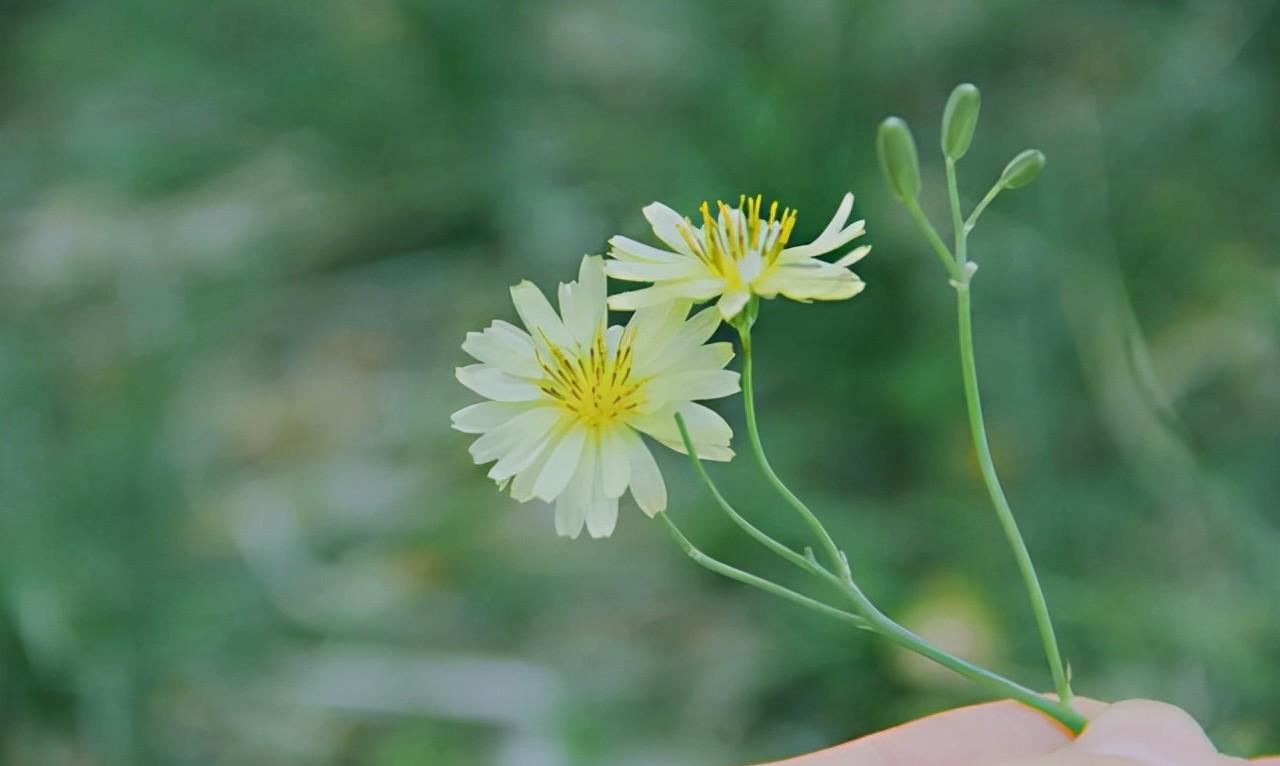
[240,243]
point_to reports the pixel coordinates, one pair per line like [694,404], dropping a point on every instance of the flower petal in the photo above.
[486,416]
[492,383]
[538,316]
[819,247]
[602,515]
[582,303]
[536,436]
[575,501]
[852,257]
[647,486]
[631,271]
[837,220]
[522,483]
[516,434]
[668,225]
[504,349]
[700,289]
[812,280]
[687,385]
[652,329]
[732,303]
[713,356]
[571,514]
[627,249]
[708,431]
[615,465]
[561,464]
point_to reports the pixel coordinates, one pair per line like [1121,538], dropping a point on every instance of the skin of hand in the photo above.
[1129,733]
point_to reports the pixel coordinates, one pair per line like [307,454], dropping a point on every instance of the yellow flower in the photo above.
[570,398]
[733,255]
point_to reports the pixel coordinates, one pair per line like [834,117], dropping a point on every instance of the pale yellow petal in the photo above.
[733,302]
[647,486]
[537,435]
[574,501]
[700,289]
[626,249]
[571,514]
[615,464]
[520,431]
[565,456]
[492,383]
[812,280]
[686,385]
[710,433]
[852,257]
[539,318]
[582,303]
[522,483]
[667,225]
[814,249]
[504,350]
[486,416]
[687,268]
[602,515]
[652,329]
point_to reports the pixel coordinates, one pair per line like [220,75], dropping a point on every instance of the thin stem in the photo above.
[978,431]
[953,195]
[733,573]
[935,241]
[809,565]
[1062,711]
[753,435]
[1004,513]
[977,211]
[1001,686]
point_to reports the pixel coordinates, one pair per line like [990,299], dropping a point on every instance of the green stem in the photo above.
[1001,686]
[977,211]
[873,619]
[733,573]
[953,195]
[978,431]
[866,615]
[838,560]
[809,565]
[1004,513]
[935,241]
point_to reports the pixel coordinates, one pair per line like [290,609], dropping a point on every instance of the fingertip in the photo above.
[1145,731]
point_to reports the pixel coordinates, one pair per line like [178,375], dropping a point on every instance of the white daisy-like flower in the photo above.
[571,396]
[735,255]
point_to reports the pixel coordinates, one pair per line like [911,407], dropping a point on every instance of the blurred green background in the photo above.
[240,243]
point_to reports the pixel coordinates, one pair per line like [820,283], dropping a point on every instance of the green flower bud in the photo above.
[959,120]
[898,161]
[1022,169]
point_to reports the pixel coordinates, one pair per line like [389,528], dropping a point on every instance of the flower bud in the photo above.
[959,120]
[1022,169]
[898,161]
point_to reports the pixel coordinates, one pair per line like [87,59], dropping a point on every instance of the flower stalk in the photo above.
[986,464]
[1019,172]
[833,552]
[865,615]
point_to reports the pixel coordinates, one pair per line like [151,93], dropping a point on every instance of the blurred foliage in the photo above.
[240,243]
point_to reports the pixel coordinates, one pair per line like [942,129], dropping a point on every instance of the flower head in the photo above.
[570,397]
[733,254]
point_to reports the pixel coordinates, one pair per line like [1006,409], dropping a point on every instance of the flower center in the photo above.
[739,244]
[595,384]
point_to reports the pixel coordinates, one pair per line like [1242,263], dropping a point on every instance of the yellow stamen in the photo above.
[728,238]
[593,384]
